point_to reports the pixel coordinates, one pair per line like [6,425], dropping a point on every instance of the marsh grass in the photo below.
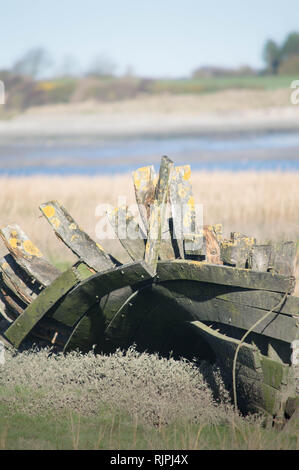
[123,401]
[260,204]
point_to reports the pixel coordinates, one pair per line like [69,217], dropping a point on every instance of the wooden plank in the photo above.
[280,327]
[211,246]
[90,292]
[203,307]
[74,238]
[128,231]
[28,256]
[187,230]
[259,258]
[88,332]
[156,222]
[277,257]
[44,302]
[145,180]
[255,374]
[283,258]
[13,303]
[18,281]
[261,299]
[224,275]
[236,252]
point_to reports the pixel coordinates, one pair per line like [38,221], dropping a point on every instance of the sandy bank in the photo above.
[232,111]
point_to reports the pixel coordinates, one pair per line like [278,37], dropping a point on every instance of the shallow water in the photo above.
[267,151]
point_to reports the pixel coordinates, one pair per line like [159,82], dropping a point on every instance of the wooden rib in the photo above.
[224,275]
[13,302]
[44,302]
[157,215]
[90,291]
[128,232]
[7,310]
[27,255]
[262,381]
[145,180]
[74,238]
[18,281]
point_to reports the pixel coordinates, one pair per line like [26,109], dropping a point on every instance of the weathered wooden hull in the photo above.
[228,301]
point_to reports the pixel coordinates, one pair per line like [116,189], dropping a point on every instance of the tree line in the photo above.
[282,58]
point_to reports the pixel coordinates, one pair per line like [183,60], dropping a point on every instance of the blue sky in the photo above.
[166,38]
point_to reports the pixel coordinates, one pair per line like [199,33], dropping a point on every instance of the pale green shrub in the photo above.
[155,390]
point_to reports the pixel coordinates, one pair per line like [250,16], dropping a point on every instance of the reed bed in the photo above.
[262,204]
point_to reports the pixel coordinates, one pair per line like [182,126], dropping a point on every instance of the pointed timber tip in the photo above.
[166,159]
[151,271]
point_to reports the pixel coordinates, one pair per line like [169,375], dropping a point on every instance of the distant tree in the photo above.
[272,56]
[68,67]
[101,66]
[32,63]
[290,47]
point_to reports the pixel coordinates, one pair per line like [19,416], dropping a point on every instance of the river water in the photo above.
[258,152]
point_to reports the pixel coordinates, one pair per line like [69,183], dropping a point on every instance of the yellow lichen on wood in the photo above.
[49,211]
[55,222]
[31,249]
[14,242]
[187,173]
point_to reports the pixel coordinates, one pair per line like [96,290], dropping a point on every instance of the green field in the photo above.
[205,85]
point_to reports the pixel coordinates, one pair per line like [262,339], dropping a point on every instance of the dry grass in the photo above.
[156,391]
[122,401]
[265,205]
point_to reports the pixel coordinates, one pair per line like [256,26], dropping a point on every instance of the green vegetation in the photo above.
[283,58]
[213,84]
[22,93]
[122,401]
[24,86]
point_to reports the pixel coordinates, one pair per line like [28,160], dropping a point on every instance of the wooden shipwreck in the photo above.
[187,291]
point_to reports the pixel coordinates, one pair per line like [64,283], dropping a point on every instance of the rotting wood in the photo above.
[44,302]
[157,215]
[17,280]
[259,258]
[213,309]
[74,238]
[128,231]
[27,255]
[261,382]
[91,291]
[188,231]
[283,258]
[236,252]
[99,304]
[211,247]
[223,275]
[145,180]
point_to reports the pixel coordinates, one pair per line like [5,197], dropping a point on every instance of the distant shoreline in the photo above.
[229,113]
